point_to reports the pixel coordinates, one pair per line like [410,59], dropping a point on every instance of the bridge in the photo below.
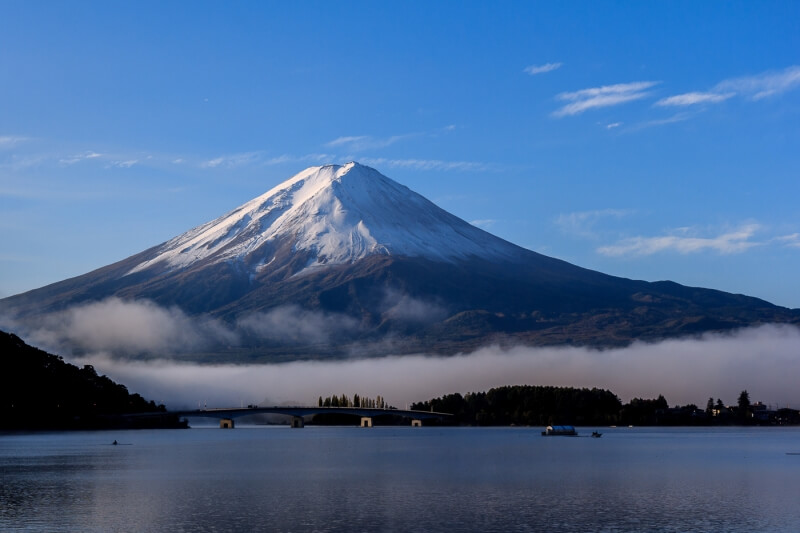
[227,416]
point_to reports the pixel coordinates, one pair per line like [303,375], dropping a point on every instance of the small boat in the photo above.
[596,434]
[559,431]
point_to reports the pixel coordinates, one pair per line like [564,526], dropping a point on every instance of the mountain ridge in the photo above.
[377,261]
[339,213]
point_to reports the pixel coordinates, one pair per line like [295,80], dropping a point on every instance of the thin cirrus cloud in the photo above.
[77,158]
[367,142]
[541,69]
[694,98]
[765,84]
[484,223]
[683,242]
[232,160]
[605,96]
[792,241]
[427,164]
[582,222]
[757,87]
[10,141]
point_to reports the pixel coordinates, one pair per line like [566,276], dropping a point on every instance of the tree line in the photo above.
[528,405]
[546,405]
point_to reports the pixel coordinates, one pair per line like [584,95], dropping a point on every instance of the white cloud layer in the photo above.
[296,325]
[607,95]
[762,360]
[731,242]
[128,328]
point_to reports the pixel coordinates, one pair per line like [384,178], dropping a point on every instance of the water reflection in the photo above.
[399,479]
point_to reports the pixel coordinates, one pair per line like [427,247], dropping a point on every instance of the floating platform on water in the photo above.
[559,431]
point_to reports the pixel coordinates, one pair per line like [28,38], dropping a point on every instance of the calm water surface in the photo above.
[402,479]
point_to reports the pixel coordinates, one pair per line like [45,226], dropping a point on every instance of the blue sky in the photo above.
[646,140]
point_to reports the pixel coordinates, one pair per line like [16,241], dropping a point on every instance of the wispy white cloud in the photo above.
[10,141]
[765,84]
[295,325]
[757,87]
[605,96]
[541,69]
[85,156]
[694,98]
[307,158]
[792,240]
[124,164]
[367,142]
[582,222]
[685,241]
[347,140]
[426,164]
[678,117]
[613,125]
[232,160]
[483,223]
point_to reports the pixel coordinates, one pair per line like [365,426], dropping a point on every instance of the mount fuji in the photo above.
[341,259]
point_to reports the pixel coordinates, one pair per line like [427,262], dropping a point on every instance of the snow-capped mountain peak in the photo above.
[337,213]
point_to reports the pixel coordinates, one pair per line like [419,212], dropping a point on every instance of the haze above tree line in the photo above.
[42,391]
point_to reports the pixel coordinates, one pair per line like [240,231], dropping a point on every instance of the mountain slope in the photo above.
[373,267]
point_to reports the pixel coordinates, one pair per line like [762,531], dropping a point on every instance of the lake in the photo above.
[402,479]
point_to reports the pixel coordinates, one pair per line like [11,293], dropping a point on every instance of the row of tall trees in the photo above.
[357,401]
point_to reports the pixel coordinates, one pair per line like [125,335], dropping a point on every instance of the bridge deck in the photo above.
[300,411]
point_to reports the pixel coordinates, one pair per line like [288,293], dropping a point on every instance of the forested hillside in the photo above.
[39,390]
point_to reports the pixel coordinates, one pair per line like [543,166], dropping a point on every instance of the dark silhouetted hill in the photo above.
[39,390]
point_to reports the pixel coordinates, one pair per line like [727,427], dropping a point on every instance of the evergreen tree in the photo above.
[744,404]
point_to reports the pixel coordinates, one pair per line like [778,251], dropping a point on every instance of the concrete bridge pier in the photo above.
[298,422]
[416,423]
[226,423]
[366,422]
